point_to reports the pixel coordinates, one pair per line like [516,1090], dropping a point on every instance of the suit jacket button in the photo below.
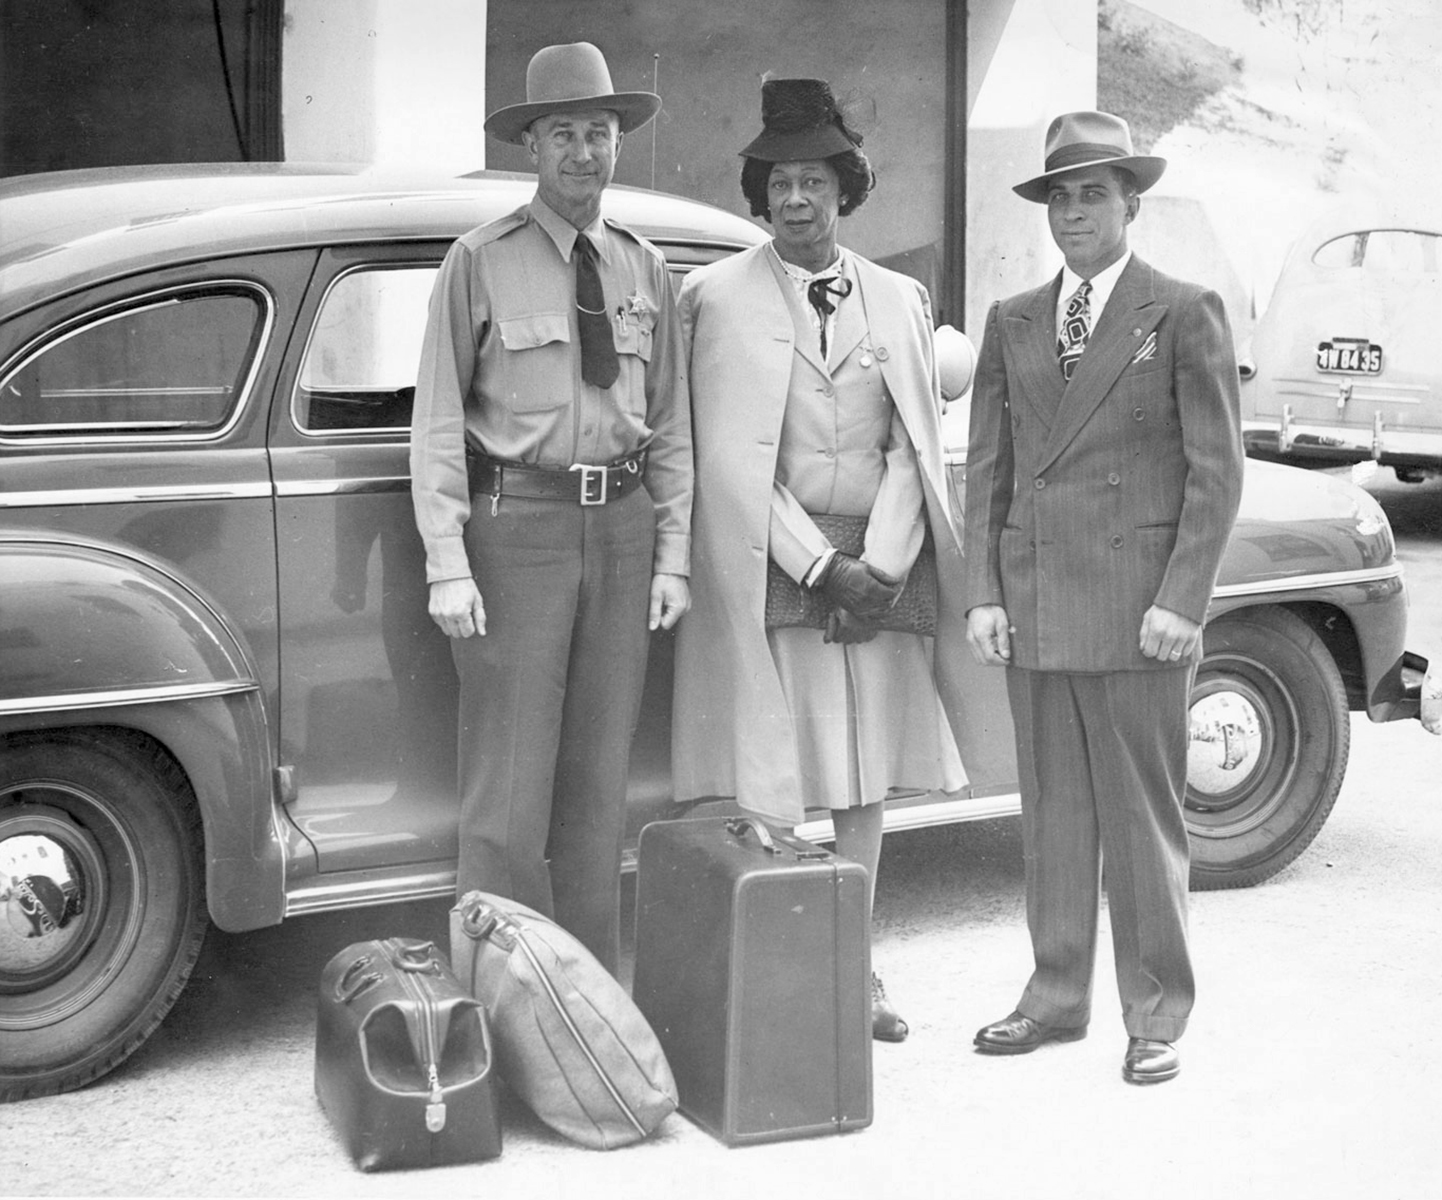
[1040,483]
[1116,541]
[1138,415]
[1114,479]
[883,353]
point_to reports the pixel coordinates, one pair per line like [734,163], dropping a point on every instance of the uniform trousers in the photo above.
[1103,762]
[549,699]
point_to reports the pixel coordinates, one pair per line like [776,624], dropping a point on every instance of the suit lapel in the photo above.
[851,325]
[1031,332]
[807,341]
[1131,314]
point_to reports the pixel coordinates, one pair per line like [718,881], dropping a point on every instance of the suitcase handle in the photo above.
[737,827]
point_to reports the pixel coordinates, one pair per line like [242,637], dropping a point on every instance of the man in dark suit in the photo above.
[1103,477]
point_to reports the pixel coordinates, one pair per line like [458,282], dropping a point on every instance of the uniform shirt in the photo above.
[501,371]
[1103,284]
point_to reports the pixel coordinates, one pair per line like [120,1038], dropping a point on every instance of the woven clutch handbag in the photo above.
[788,604]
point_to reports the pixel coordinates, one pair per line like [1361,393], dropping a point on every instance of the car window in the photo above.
[1392,251]
[174,363]
[359,369]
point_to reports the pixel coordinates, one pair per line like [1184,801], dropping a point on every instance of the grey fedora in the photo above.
[570,78]
[1088,139]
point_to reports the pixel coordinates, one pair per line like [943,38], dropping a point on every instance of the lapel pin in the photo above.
[865,360]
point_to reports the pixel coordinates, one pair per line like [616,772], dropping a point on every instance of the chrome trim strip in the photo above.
[71,497]
[343,487]
[125,697]
[327,896]
[942,811]
[1302,583]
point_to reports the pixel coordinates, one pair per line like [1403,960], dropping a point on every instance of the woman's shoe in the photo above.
[886,1022]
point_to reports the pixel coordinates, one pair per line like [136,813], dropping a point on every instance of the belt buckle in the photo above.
[593,484]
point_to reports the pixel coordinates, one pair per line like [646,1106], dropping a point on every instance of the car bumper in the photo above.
[1285,439]
[1427,681]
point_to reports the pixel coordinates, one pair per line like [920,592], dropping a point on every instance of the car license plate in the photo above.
[1349,356]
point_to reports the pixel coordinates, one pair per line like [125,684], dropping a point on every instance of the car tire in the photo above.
[102,907]
[1270,734]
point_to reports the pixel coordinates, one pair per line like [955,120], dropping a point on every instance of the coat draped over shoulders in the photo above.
[733,728]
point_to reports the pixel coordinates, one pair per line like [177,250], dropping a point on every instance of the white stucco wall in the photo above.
[1045,63]
[385,81]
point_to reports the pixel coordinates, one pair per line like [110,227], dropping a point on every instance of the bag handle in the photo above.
[355,979]
[738,826]
[419,958]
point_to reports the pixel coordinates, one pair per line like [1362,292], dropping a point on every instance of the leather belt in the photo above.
[581,483]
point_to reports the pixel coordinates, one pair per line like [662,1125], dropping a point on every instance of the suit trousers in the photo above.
[549,699]
[1103,762]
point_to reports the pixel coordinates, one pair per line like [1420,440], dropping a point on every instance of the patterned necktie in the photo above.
[1071,339]
[599,365]
[819,291]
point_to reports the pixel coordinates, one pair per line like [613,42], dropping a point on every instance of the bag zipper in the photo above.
[436,1107]
[520,936]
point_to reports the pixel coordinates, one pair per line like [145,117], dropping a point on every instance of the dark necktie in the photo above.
[1071,339]
[598,352]
[819,292]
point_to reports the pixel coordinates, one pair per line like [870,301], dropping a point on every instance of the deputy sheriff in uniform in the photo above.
[552,479]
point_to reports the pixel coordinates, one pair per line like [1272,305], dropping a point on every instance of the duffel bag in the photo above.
[569,1040]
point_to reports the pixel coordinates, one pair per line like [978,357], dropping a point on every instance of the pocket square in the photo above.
[1148,348]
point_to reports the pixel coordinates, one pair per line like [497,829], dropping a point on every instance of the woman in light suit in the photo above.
[814,391]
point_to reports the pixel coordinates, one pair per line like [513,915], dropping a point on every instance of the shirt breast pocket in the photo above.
[634,336]
[537,361]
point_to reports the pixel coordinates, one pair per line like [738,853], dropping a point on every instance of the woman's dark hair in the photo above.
[853,172]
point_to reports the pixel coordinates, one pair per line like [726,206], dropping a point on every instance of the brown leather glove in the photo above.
[845,629]
[849,583]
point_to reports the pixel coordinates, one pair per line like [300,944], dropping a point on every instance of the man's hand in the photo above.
[670,598]
[988,633]
[845,628]
[858,587]
[456,607]
[1169,636]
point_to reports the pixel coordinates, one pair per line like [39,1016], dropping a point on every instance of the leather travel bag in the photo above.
[753,965]
[403,1064]
[569,1040]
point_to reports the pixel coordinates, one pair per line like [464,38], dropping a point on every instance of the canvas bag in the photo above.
[569,1040]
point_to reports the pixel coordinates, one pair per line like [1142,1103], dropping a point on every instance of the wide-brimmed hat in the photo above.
[800,121]
[570,78]
[1088,139]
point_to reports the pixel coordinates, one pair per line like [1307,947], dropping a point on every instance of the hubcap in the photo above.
[1241,749]
[56,898]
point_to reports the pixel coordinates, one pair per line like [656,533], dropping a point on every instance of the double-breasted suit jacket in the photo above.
[748,352]
[1090,501]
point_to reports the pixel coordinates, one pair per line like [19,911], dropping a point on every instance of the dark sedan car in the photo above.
[222,698]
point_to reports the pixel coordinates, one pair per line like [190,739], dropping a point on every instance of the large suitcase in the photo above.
[753,966]
[403,1058]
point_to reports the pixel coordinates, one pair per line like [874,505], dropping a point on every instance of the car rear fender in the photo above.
[97,636]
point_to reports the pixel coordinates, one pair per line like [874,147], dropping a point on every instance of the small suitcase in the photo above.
[403,1058]
[753,966]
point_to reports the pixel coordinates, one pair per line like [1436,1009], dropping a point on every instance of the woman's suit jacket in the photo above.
[731,724]
[1090,501]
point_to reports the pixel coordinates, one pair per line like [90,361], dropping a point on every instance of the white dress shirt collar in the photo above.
[1103,284]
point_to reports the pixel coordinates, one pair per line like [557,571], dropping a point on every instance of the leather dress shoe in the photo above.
[1017,1034]
[1150,1061]
[886,1022]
